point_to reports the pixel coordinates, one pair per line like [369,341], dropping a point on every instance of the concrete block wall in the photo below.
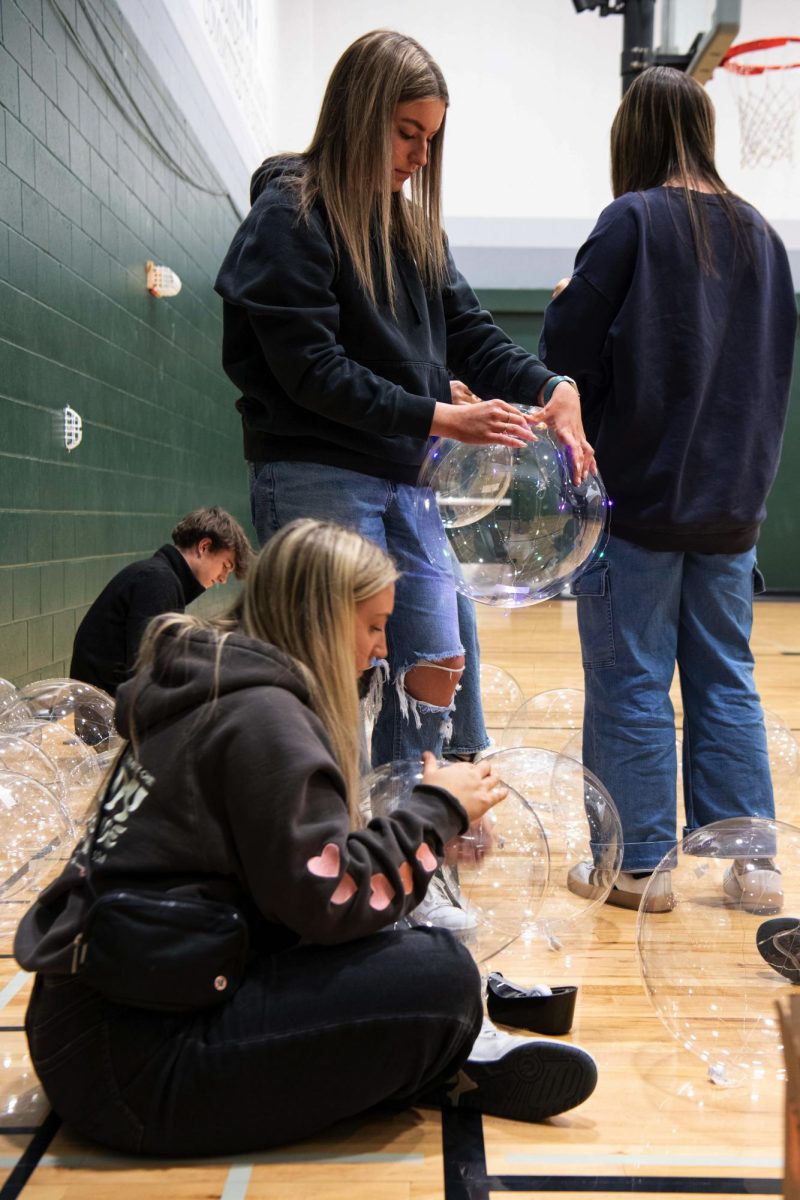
[94,160]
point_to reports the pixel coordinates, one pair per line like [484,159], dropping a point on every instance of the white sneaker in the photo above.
[755,884]
[443,910]
[590,883]
[523,1079]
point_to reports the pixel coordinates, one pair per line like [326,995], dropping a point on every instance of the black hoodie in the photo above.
[233,793]
[329,377]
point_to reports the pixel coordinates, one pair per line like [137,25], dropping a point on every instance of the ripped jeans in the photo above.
[424,626]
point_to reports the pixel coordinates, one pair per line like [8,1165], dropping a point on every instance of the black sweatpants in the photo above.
[314,1034]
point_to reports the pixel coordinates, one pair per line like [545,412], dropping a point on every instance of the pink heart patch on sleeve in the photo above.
[327,864]
[382,893]
[345,889]
[426,858]
[405,875]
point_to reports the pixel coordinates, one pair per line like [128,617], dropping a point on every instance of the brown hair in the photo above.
[348,163]
[663,132]
[222,529]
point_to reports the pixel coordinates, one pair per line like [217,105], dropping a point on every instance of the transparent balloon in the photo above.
[13,709]
[85,710]
[80,767]
[32,827]
[582,828]
[515,539]
[548,720]
[21,757]
[784,754]
[498,870]
[700,964]
[22,1098]
[501,696]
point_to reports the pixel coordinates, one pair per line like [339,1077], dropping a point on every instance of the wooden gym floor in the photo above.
[654,1124]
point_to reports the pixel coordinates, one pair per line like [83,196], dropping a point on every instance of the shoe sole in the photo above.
[619,898]
[523,1086]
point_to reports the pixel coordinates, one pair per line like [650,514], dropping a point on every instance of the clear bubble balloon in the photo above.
[20,757]
[86,710]
[501,696]
[784,754]
[498,870]
[13,709]
[79,766]
[700,962]
[32,827]
[514,537]
[549,719]
[582,828]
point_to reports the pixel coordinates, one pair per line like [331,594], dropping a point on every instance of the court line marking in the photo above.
[13,986]
[123,1162]
[650,1160]
[237,1183]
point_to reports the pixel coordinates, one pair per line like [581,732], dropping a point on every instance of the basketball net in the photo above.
[765,78]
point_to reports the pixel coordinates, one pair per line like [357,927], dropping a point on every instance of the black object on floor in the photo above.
[778,942]
[522,1008]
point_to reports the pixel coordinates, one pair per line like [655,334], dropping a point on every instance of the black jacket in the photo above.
[684,373]
[326,376]
[234,794]
[108,637]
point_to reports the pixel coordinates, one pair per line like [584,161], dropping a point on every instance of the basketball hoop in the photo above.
[765,75]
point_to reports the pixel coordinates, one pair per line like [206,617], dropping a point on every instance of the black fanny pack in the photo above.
[141,947]
[154,951]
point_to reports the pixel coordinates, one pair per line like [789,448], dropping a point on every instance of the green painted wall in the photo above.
[85,200]
[521,312]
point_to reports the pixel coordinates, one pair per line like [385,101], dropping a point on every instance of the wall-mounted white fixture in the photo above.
[73,428]
[161,281]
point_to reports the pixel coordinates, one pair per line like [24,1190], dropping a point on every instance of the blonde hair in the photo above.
[349,160]
[300,595]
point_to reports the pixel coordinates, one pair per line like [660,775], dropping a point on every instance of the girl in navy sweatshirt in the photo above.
[678,325]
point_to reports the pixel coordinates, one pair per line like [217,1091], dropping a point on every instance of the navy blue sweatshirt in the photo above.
[329,377]
[684,374]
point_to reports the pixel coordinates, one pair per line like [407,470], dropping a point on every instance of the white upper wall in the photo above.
[534,87]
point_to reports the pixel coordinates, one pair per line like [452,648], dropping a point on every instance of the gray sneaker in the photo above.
[442,909]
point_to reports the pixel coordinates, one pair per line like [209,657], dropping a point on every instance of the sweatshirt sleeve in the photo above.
[302,864]
[281,269]
[481,354]
[578,322]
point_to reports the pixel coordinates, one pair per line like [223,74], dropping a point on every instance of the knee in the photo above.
[435,683]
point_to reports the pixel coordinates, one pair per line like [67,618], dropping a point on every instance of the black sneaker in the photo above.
[778,943]
[522,1079]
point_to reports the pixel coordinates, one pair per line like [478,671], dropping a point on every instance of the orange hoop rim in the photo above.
[738,68]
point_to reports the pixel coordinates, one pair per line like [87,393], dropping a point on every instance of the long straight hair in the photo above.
[349,160]
[663,131]
[300,595]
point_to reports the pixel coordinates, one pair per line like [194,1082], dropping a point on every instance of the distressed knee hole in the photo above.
[435,683]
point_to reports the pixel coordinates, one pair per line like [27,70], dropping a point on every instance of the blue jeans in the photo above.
[424,626]
[639,613]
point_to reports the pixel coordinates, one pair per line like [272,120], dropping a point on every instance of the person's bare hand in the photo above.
[562,414]
[491,422]
[474,785]
[562,283]
[460,393]
[471,848]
